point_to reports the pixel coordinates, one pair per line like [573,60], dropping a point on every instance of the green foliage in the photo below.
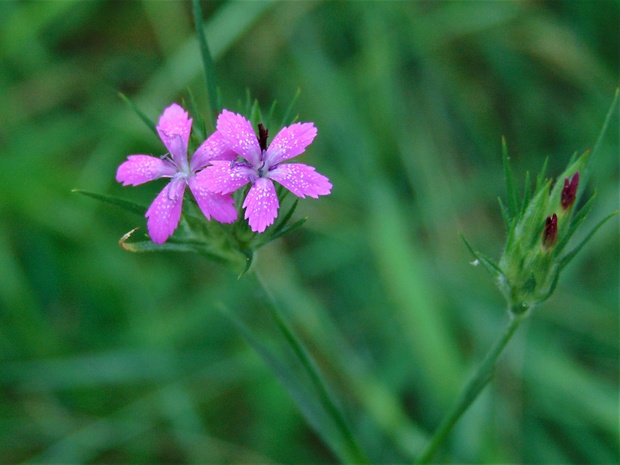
[112,357]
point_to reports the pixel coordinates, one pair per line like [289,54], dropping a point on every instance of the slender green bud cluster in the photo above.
[540,225]
[538,231]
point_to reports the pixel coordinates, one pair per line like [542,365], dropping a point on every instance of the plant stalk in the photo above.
[472,389]
[356,454]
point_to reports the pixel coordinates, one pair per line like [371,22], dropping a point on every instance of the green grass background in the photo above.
[113,357]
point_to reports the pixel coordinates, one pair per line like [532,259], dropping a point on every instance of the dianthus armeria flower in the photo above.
[261,164]
[163,215]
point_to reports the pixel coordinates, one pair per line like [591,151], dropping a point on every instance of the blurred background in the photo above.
[113,357]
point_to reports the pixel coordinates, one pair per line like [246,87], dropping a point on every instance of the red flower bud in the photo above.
[569,192]
[550,230]
[262,136]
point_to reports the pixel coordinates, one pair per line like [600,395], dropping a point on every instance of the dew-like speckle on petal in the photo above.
[261,205]
[290,142]
[220,207]
[239,134]
[164,214]
[138,169]
[302,180]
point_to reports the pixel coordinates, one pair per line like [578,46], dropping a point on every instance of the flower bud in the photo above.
[539,228]
[569,192]
[550,230]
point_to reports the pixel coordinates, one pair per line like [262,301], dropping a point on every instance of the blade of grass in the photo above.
[354,451]
[207,60]
[149,122]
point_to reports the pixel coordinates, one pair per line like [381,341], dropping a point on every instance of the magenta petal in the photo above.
[173,128]
[222,178]
[290,142]
[214,148]
[301,180]
[165,211]
[138,169]
[239,135]
[221,207]
[261,205]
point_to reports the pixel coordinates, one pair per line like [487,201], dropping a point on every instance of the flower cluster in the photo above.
[230,158]
[539,227]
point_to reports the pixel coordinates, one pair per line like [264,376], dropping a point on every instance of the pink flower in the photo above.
[261,165]
[163,215]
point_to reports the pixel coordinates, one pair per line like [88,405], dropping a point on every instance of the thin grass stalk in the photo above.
[355,451]
[207,60]
[471,391]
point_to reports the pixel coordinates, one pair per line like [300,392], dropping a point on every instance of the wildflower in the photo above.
[163,215]
[260,165]
[569,192]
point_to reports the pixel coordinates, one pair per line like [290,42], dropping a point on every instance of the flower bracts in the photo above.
[539,226]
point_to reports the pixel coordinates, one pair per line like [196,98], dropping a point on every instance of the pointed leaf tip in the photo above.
[124,238]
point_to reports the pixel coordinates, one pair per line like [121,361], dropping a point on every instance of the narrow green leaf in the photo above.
[554,284]
[526,193]
[305,400]
[255,114]
[272,109]
[505,214]
[568,257]
[286,119]
[199,128]
[290,228]
[207,60]
[127,205]
[488,263]
[540,179]
[511,188]
[145,119]
[286,218]
[248,264]
[599,140]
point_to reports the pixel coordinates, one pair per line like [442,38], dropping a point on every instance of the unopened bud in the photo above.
[550,231]
[569,192]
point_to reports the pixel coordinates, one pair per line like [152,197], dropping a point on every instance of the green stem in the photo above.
[356,454]
[472,389]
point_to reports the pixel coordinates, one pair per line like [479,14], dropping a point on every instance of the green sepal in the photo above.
[127,205]
[526,193]
[554,283]
[145,119]
[569,256]
[576,221]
